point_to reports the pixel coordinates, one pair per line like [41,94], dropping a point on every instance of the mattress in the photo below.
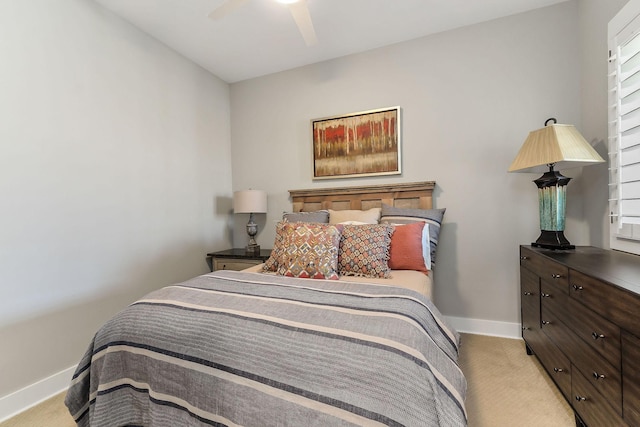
[408,279]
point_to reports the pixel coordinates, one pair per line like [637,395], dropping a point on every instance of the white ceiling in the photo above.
[261,37]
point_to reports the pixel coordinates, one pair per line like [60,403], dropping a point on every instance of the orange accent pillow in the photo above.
[406,248]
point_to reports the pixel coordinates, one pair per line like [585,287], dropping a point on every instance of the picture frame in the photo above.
[366,143]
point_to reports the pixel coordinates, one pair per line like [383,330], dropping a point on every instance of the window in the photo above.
[624,128]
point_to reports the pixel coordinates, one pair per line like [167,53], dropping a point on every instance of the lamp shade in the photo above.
[250,201]
[561,145]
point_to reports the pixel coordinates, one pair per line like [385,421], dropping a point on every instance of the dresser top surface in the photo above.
[618,268]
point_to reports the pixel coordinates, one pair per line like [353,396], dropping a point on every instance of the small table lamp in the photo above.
[250,201]
[554,145]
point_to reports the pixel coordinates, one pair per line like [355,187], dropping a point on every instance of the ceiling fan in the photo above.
[299,11]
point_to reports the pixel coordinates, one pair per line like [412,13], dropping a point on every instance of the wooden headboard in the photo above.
[417,195]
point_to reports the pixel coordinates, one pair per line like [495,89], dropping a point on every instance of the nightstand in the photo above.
[236,259]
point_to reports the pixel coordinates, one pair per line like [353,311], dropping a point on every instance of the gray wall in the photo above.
[469,97]
[115,177]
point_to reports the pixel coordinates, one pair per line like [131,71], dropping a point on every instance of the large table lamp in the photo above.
[553,146]
[251,202]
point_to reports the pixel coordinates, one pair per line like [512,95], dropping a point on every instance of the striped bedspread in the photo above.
[245,349]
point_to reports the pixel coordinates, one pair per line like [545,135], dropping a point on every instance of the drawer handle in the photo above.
[580,398]
[546,322]
[577,287]
[598,376]
[524,258]
[558,370]
[526,328]
[596,336]
[556,276]
[527,293]
[543,295]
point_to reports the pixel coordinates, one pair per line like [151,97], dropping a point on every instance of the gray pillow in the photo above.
[433,217]
[321,216]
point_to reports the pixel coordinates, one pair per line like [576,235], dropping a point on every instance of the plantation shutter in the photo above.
[624,128]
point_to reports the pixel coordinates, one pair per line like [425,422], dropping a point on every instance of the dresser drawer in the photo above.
[530,285]
[546,268]
[594,330]
[556,364]
[531,325]
[613,303]
[550,294]
[591,405]
[600,373]
[602,335]
[530,307]
[631,381]
[557,331]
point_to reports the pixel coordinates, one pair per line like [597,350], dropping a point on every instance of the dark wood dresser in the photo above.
[581,318]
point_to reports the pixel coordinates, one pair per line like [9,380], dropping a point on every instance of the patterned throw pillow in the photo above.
[433,217]
[278,249]
[364,250]
[310,251]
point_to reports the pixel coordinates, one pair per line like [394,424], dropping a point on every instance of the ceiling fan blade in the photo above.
[300,13]
[225,8]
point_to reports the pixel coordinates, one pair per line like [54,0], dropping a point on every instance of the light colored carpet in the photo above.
[505,388]
[50,413]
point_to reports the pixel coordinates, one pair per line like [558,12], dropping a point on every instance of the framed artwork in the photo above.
[357,144]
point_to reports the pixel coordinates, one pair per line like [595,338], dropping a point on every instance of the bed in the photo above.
[256,348]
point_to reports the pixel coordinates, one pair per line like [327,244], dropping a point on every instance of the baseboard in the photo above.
[486,327]
[21,400]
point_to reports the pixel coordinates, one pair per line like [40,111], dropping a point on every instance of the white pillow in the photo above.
[370,216]
[426,246]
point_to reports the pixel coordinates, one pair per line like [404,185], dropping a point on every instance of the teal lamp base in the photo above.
[552,197]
